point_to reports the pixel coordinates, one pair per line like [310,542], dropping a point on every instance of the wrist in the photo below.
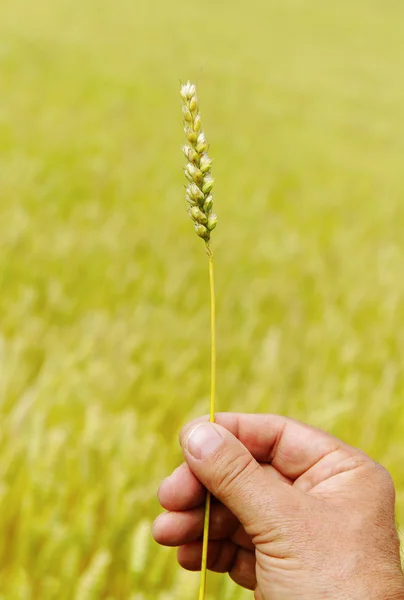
[375,584]
[382,586]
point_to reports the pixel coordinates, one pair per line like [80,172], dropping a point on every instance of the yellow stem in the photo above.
[202,586]
[213,339]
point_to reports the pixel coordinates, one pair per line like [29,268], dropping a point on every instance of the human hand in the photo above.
[296,513]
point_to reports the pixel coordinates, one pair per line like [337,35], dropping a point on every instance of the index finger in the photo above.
[290,446]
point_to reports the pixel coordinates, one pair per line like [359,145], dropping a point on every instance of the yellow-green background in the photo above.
[104,345]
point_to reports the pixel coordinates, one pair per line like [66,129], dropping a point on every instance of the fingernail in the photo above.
[202,440]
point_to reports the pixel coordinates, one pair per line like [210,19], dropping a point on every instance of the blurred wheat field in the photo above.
[104,348]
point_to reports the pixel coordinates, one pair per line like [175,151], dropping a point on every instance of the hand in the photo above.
[296,512]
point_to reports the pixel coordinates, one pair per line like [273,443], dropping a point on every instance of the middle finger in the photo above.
[179,528]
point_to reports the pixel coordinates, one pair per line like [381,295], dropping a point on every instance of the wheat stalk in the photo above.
[199,197]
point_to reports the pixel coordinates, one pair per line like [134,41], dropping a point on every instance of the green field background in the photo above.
[104,338]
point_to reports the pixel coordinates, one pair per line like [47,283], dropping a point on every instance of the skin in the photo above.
[296,512]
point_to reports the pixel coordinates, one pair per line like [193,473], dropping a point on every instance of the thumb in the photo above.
[230,472]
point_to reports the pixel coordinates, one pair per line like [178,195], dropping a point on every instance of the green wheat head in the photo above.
[197,169]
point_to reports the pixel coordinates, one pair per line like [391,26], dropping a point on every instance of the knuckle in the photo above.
[379,474]
[379,489]
[234,473]
[374,471]
[385,479]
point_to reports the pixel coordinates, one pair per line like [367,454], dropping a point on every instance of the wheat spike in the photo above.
[198,192]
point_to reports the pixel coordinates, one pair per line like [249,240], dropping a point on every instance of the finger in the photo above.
[290,446]
[221,462]
[181,490]
[223,557]
[179,528]
[338,462]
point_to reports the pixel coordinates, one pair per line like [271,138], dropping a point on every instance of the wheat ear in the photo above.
[199,197]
